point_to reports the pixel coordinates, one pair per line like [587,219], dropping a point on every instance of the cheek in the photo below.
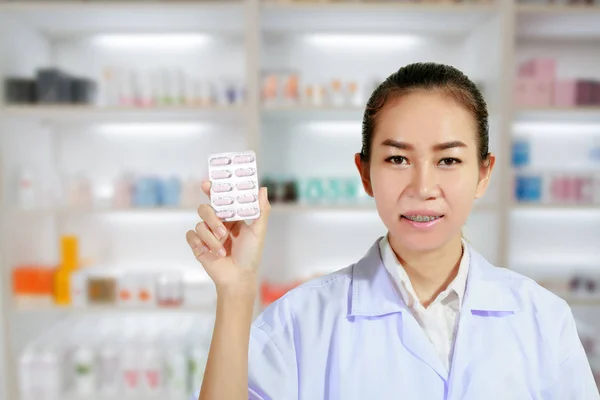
[459,184]
[387,182]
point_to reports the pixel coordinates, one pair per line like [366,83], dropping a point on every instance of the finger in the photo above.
[260,224]
[206,188]
[196,244]
[210,240]
[209,216]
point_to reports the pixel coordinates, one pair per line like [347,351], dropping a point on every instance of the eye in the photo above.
[396,160]
[449,161]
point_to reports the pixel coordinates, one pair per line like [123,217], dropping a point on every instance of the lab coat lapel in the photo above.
[486,297]
[374,294]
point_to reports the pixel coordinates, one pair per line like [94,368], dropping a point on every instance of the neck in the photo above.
[430,272]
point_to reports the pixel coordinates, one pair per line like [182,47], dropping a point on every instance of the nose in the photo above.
[424,183]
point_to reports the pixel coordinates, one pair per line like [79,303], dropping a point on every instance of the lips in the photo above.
[422,218]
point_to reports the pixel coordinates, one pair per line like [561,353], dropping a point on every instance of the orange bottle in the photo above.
[69,263]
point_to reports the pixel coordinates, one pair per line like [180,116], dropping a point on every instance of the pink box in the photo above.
[540,68]
[532,92]
[565,93]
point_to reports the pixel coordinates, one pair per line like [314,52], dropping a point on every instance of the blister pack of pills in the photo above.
[234,185]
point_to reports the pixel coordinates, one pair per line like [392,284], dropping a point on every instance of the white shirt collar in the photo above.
[456,288]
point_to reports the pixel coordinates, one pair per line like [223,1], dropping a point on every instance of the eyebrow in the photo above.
[438,147]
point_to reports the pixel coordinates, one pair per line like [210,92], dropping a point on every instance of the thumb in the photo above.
[206,185]
[260,224]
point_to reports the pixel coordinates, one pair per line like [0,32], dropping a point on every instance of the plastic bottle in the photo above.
[26,190]
[596,191]
[84,371]
[28,379]
[108,360]
[151,362]
[176,366]
[50,374]
[130,367]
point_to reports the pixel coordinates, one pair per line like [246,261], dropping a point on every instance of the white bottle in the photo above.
[26,190]
[50,375]
[151,365]
[84,371]
[596,192]
[130,363]
[197,365]
[28,378]
[176,368]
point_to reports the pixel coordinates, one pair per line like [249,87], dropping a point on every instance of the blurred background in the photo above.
[110,109]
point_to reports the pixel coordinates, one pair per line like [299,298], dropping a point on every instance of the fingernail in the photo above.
[221,232]
[222,252]
[203,250]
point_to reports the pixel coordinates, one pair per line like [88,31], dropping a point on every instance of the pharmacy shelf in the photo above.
[73,114]
[375,17]
[558,114]
[582,300]
[45,309]
[561,207]
[308,112]
[278,208]
[558,21]
[560,9]
[282,208]
[65,18]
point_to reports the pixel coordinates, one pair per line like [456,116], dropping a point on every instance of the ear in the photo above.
[485,173]
[363,170]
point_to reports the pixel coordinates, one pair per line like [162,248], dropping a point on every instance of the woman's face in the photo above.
[424,171]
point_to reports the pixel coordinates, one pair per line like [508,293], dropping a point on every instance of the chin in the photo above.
[420,243]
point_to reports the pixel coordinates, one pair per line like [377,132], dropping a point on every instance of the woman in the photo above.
[422,315]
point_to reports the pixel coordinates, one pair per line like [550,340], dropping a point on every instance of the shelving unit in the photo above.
[351,41]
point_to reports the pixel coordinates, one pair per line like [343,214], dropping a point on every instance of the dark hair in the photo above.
[427,76]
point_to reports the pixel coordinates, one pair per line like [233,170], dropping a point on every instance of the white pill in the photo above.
[221,187]
[245,185]
[249,198]
[243,158]
[225,214]
[249,212]
[220,161]
[223,201]
[223,174]
[244,172]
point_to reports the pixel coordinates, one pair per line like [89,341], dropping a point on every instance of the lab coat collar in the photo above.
[374,294]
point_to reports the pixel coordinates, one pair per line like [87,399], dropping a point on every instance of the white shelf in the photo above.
[21,309]
[562,207]
[558,114]
[69,114]
[575,300]
[375,16]
[65,18]
[313,112]
[556,21]
[278,208]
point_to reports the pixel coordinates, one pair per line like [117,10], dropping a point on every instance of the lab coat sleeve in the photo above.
[269,375]
[575,380]
[271,367]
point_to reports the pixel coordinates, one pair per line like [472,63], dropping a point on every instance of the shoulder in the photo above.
[528,296]
[326,295]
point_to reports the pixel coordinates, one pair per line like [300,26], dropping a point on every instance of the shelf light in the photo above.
[370,41]
[545,128]
[150,129]
[335,127]
[151,41]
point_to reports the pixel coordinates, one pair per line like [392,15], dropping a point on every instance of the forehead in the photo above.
[425,117]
